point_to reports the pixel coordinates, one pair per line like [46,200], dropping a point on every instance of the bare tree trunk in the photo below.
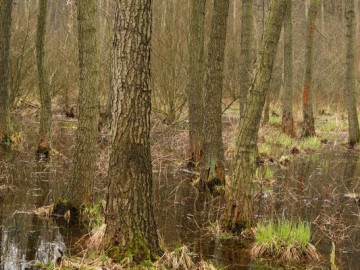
[131,227]
[247,50]
[308,117]
[45,97]
[213,152]
[5,32]
[196,73]
[266,112]
[287,100]
[238,212]
[354,134]
[266,115]
[82,182]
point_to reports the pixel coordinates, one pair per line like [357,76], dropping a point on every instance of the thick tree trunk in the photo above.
[238,213]
[81,185]
[351,96]
[247,50]
[287,99]
[308,117]
[131,228]
[45,97]
[213,152]
[196,72]
[5,32]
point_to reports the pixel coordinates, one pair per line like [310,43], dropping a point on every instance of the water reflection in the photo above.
[26,240]
[312,188]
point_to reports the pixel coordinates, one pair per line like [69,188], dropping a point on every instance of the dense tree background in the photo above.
[170,59]
[209,55]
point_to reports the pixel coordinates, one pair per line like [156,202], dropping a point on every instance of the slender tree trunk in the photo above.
[82,182]
[5,32]
[266,112]
[45,97]
[131,228]
[287,100]
[308,117]
[351,96]
[247,50]
[238,212]
[266,116]
[213,152]
[196,72]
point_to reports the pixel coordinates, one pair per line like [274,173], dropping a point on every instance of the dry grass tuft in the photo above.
[181,258]
[44,211]
[96,239]
[177,259]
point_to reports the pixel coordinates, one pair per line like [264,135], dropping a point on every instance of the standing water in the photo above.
[322,189]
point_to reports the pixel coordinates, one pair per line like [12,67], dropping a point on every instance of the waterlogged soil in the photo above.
[321,188]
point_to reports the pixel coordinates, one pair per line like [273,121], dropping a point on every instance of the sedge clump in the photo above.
[285,240]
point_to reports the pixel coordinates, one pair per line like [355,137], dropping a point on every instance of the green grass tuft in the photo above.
[265,148]
[275,121]
[311,143]
[329,127]
[94,215]
[286,240]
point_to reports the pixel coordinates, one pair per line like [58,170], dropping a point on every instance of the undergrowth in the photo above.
[285,240]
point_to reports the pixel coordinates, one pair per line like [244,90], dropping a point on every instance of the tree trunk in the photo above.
[308,121]
[238,212]
[196,72]
[81,185]
[5,32]
[354,135]
[266,114]
[247,50]
[287,100]
[213,152]
[45,97]
[131,228]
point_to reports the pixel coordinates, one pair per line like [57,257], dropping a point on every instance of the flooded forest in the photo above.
[179,134]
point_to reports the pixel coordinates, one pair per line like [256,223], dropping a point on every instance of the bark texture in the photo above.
[213,152]
[196,72]
[351,96]
[308,116]
[45,96]
[5,32]
[238,212]
[131,228]
[287,99]
[247,50]
[82,182]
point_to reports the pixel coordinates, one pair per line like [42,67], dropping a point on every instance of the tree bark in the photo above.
[287,100]
[45,96]
[266,113]
[131,228]
[238,212]
[247,50]
[308,117]
[82,182]
[351,96]
[5,31]
[196,72]
[213,153]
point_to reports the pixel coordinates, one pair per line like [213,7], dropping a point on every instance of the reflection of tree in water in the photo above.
[25,237]
[21,242]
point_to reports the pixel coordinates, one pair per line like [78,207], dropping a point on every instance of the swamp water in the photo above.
[320,188]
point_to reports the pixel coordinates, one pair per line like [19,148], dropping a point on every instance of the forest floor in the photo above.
[169,147]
